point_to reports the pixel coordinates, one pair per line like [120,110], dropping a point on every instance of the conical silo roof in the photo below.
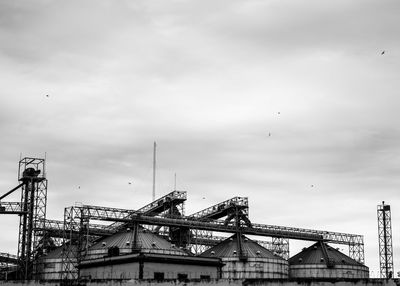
[145,241]
[230,248]
[322,253]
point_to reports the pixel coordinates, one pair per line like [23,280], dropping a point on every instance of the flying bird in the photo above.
[312,186]
[383,52]
[130,183]
[47,95]
[269,134]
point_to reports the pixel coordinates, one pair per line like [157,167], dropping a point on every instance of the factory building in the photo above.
[323,261]
[144,255]
[244,258]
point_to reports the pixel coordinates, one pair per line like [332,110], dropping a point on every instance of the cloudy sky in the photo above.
[289,103]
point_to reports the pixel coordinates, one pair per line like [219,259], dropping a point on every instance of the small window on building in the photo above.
[182,276]
[159,275]
[205,277]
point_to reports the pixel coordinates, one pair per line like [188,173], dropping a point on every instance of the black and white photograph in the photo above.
[241,142]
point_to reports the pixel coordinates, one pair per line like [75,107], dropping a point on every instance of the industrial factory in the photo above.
[160,242]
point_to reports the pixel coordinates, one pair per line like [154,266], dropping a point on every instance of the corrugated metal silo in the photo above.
[322,261]
[244,258]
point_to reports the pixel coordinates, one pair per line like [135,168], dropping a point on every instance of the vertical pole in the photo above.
[44,164]
[175,182]
[154,171]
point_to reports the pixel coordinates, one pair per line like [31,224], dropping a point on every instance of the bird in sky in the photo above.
[79,187]
[47,95]
[129,183]
[269,134]
[383,52]
[312,186]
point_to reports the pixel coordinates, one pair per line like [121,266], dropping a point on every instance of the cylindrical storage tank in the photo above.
[322,261]
[50,266]
[253,261]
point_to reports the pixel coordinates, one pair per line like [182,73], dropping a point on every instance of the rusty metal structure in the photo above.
[164,216]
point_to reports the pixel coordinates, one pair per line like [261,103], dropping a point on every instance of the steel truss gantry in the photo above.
[234,208]
[385,241]
[76,221]
[171,204]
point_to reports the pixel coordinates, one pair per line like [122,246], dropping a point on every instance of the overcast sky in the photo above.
[289,103]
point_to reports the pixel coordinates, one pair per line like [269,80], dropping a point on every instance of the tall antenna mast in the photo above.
[175,182]
[44,164]
[154,171]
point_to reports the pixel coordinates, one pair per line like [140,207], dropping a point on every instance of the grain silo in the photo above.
[50,266]
[144,255]
[244,258]
[323,261]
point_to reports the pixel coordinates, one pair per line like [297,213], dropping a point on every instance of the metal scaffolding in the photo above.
[32,211]
[385,241]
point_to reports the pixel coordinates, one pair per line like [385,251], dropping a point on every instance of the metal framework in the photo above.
[10,208]
[79,232]
[31,173]
[171,204]
[8,263]
[164,216]
[385,241]
[32,210]
[222,209]
[199,240]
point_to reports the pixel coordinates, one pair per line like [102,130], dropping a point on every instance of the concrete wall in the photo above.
[254,268]
[131,271]
[50,269]
[118,271]
[171,271]
[321,271]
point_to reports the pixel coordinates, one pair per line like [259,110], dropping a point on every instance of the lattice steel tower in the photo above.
[385,241]
[31,174]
